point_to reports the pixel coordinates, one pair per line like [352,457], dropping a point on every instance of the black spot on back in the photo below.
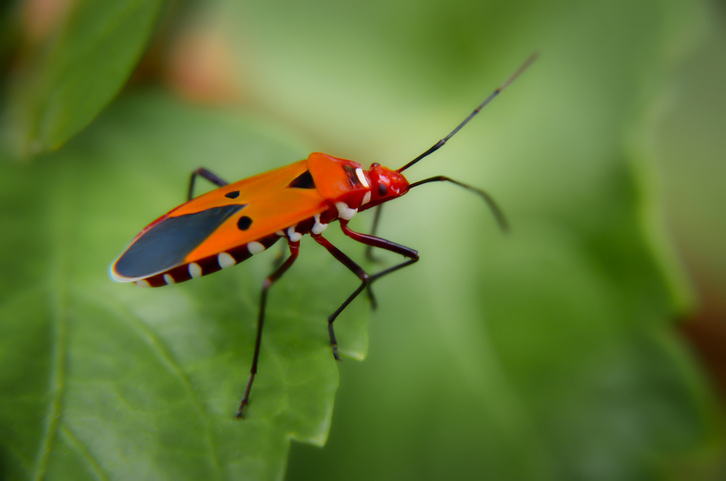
[244,223]
[303,181]
[232,195]
[167,243]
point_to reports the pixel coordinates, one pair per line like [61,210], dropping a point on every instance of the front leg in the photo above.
[379,242]
[365,278]
[358,271]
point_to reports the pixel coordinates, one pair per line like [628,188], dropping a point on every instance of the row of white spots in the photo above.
[224,260]
[195,270]
[295,236]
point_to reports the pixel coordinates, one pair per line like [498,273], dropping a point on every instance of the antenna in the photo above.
[441,142]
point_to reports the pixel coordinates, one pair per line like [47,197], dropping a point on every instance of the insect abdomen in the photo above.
[208,265]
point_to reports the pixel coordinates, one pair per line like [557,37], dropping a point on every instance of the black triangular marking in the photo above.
[303,181]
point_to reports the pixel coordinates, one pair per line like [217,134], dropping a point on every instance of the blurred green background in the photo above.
[585,345]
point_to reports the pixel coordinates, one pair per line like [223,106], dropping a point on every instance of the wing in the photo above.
[220,228]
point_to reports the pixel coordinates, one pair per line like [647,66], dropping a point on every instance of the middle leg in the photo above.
[294,250]
[358,271]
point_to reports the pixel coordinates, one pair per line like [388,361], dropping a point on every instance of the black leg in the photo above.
[379,242]
[349,263]
[355,293]
[358,271]
[294,250]
[366,279]
[277,260]
[373,241]
[207,175]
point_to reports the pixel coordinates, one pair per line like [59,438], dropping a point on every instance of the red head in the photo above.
[386,184]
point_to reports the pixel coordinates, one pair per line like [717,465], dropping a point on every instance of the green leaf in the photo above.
[79,71]
[548,354]
[110,381]
[9,30]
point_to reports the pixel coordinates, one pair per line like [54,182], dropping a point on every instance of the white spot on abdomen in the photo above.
[345,212]
[195,270]
[292,235]
[318,227]
[255,248]
[225,260]
[168,279]
[142,283]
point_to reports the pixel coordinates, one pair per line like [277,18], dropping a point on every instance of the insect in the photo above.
[228,225]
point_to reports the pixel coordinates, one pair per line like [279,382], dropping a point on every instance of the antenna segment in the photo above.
[443,141]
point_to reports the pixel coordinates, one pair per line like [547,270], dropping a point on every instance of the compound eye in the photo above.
[382,190]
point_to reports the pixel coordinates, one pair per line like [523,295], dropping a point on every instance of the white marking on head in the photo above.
[318,227]
[292,235]
[195,270]
[255,248]
[366,198]
[142,283]
[225,260]
[345,212]
[168,279]
[362,178]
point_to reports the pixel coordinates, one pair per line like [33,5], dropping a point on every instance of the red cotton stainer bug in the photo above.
[236,221]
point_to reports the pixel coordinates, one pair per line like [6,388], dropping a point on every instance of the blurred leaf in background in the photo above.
[551,353]
[79,69]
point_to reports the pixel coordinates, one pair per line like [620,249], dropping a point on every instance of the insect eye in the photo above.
[382,190]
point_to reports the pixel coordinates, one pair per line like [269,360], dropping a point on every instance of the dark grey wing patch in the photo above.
[167,243]
[303,181]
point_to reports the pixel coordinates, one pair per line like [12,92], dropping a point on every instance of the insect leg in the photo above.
[379,242]
[373,241]
[358,271]
[387,245]
[207,175]
[294,250]
[374,229]
[366,278]
[277,260]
